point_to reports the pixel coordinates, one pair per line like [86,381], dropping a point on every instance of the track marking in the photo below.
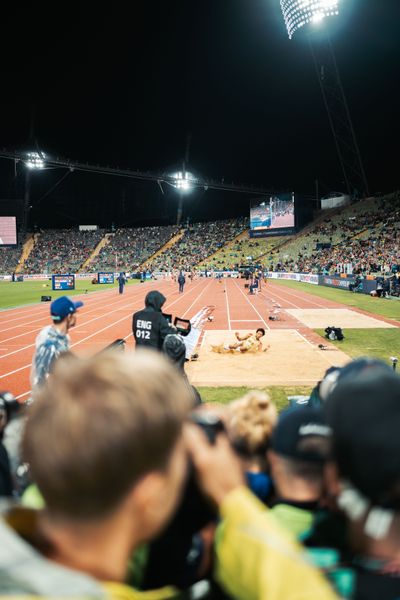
[252,305]
[227,307]
[245,320]
[95,333]
[293,294]
[196,299]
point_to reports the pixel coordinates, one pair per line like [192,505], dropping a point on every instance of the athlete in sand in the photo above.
[251,342]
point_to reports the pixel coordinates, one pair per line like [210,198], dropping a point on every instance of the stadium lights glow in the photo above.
[184,181]
[299,13]
[35,160]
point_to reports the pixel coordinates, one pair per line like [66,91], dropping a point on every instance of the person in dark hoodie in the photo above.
[181,281]
[149,325]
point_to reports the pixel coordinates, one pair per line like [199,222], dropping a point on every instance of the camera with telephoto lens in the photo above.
[165,567]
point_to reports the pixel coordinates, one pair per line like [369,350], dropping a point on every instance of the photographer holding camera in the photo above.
[113,482]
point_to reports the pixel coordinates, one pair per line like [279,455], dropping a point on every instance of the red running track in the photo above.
[108,315]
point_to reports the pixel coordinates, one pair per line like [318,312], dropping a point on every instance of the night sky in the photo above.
[120,89]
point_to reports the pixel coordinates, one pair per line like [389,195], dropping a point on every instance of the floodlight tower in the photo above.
[184,182]
[315,17]
[34,161]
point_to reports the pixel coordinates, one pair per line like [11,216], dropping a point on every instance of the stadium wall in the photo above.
[335,281]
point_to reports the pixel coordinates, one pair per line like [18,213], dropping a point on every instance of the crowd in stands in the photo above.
[199,241]
[9,257]
[129,248]
[363,239]
[61,250]
[243,251]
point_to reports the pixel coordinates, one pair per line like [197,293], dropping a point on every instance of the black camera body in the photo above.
[193,514]
[10,405]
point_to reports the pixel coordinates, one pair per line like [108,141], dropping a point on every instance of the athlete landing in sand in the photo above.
[251,342]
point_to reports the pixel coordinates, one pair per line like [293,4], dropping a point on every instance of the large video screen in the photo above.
[8,231]
[275,213]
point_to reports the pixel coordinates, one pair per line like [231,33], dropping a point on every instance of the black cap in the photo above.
[295,426]
[174,347]
[364,414]
[362,365]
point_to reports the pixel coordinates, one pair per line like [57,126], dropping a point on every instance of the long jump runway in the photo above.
[293,356]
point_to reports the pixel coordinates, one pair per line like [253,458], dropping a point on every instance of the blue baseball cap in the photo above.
[62,307]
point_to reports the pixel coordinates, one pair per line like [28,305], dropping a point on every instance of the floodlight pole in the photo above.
[180,208]
[26,203]
[339,117]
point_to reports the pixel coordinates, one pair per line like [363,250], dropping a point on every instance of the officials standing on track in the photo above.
[181,281]
[121,282]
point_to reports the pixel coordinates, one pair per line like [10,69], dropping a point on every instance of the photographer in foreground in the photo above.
[255,558]
[363,476]
[113,480]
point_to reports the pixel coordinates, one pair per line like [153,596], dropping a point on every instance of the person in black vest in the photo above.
[181,281]
[149,325]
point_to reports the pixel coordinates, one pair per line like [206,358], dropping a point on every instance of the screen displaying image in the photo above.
[8,230]
[63,282]
[275,213]
[105,277]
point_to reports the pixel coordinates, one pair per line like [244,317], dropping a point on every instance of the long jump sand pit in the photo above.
[319,318]
[290,360]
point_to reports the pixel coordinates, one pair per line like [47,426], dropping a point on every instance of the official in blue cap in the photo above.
[53,340]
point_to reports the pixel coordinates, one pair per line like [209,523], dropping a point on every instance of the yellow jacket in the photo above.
[258,560]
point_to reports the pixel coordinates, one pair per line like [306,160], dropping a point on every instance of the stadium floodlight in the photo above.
[184,181]
[35,160]
[300,13]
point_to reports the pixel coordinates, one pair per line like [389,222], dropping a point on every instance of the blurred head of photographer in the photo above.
[174,349]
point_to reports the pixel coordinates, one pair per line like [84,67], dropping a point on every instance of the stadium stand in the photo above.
[10,257]
[129,248]
[242,251]
[61,250]
[365,235]
[199,241]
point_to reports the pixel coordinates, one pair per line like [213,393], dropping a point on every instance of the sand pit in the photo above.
[319,318]
[291,360]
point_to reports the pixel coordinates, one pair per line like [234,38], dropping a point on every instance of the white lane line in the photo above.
[294,295]
[245,320]
[227,307]
[280,299]
[22,395]
[196,299]
[96,310]
[93,334]
[252,306]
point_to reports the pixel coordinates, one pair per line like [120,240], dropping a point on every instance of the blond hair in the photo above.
[250,422]
[98,425]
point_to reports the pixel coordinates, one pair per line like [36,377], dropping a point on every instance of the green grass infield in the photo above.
[279,394]
[378,343]
[29,292]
